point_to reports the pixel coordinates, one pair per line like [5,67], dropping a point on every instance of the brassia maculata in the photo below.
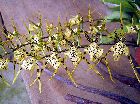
[64,42]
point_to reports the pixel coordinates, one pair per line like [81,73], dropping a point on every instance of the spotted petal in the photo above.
[94,51]
[53,61]
[75,55]
[3,64]
[119,49]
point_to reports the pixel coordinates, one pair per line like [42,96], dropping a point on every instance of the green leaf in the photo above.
[115,17]
[124,9]
[117,1]
[105,39]
[113,1]
[128,7]
[125,29]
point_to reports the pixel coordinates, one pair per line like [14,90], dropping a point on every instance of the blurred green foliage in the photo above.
[130,12]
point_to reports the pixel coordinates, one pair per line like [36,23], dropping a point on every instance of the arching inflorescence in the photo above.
[61,42]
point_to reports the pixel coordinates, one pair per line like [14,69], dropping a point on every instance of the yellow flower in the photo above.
[94,51]
[49,27]
[33,27]
[3,64]
[75,55]
[36,39]
[75,30]
[19,54]
[75,20]
[67,33]
[10,36]
[36,42]
[132,29]
[119,49]
[93,30]
[28,64]
[99,27]
[53,61]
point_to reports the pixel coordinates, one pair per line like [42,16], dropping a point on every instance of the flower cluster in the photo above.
[63,42]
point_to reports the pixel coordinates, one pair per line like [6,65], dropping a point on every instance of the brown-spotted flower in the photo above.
[53,61]
[3,64]
[94,51]
[75,55]
[132,29]
[19,54]
[28,64]
[119,49]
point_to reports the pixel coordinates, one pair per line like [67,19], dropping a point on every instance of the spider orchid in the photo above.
[19,55]
[28,64]
[76,20]
[36,43]
[75,56]
[3,64]
[95,52]
[66,41]
[93,30]
[119,49]
[49,28]
[133,29]
[33,27]
[54,61]
[68,33]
